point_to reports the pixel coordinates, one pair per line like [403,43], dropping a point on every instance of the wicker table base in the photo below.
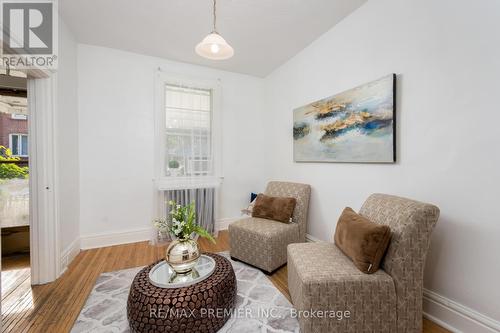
[201,307]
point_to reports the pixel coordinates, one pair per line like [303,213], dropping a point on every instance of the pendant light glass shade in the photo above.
[214,47]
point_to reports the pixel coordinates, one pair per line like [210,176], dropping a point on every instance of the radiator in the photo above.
[204,199]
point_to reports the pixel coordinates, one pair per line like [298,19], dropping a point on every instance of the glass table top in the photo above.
[163,276]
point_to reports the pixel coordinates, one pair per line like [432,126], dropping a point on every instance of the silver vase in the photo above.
[182,255]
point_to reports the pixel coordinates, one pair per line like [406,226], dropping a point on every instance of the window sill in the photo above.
[181,183]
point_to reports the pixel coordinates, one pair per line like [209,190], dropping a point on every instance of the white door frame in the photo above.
[44,219]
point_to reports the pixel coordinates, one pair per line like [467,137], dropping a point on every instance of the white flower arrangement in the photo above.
[182,223]
[162,224]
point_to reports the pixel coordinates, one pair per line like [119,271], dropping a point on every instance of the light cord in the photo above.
[215,15]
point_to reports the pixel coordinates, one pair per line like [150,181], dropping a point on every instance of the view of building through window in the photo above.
[188,131]
[18,144]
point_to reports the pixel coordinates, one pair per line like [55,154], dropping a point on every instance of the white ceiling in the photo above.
[264,33]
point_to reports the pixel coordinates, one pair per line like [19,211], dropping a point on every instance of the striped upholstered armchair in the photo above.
[321,277]
[262,243]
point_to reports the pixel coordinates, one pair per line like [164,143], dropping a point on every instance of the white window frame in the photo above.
[162,181]
[19,143]
[18,116]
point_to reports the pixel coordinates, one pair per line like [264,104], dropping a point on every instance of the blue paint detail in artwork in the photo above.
[376,124]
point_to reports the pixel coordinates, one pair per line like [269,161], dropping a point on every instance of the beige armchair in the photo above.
[321,277]
[263,243]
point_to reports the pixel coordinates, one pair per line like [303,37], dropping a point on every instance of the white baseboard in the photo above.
[69,254]
[133,236]
[223,224]
[456,317]
[449,314]
[312,239]
[115,238]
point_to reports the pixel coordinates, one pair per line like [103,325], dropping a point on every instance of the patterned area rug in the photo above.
[260,307]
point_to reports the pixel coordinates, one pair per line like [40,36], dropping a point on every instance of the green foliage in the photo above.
[203,233]
[184,222]
[173,164]
[11,170]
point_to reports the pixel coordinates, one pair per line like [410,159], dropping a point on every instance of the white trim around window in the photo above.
[162,182]
[18,151]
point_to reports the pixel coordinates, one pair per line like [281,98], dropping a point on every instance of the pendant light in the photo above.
[213,46]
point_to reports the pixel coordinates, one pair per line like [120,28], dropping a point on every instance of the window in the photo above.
[188,133]
[19,144]
[19,116]
[188,120]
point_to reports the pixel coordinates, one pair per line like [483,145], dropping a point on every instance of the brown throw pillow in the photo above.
[274,208]
[363,241]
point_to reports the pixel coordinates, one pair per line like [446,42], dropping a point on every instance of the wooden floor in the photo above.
[53,307]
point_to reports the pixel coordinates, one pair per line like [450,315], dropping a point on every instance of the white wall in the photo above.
[116,129]
[67,143]
[447,57]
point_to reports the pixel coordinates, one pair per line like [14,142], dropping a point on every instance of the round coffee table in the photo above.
[204,306]
[162,275]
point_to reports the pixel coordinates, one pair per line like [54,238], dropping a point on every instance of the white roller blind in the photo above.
[188,128]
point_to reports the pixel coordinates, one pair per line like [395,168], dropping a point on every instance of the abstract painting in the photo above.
[357,125]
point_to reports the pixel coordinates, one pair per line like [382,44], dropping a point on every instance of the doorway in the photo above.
[14,188]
